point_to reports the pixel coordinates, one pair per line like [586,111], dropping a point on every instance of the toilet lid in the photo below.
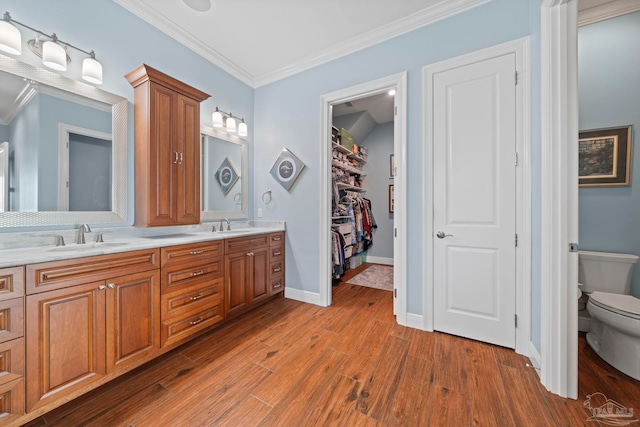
[627,305]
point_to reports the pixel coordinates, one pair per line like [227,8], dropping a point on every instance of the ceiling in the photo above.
[380,107]
[260,41]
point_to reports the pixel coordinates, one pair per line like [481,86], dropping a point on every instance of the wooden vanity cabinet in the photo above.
[167,148]
[276,263]
[89,318]
[192,289]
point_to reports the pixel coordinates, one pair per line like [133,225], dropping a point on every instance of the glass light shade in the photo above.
[216,119]
[54,56]
[231,125]
[242,129]
[92,71]
[10,38]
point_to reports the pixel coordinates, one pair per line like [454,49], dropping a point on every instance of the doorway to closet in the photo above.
[379,236]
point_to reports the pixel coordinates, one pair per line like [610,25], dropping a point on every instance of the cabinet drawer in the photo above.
[173,280]
[61,274]
[193,298]
[276,252]
[276,285]
[176,329]
[194,253]
[11,360]
[276,268]
[276,238]
[11,283]
[11,399]
[242,244]
[11,319]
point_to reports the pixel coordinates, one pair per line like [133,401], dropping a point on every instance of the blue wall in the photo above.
[122,41]
[287,112]
[609,90]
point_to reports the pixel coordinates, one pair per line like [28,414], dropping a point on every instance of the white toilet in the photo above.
[614,329]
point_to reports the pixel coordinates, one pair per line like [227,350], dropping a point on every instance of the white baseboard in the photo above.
[534,357]
[415,321]
[380,260]
[304,296]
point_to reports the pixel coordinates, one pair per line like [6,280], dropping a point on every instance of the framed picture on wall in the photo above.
[286,169]
[391,200]
[604,157]
[226,175]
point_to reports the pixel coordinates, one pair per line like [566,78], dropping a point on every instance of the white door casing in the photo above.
[474,200]
[520,177]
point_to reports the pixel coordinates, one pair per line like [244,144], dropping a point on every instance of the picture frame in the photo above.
[226,175]
[287,169]
[391,199]
[392,165]
[604,157]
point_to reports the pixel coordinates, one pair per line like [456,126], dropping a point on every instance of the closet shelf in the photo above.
[342,217]
[345,186]
[348,152]
[347,168]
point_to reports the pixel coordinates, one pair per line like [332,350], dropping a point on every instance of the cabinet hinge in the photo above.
[516,240]
[573,247]
[516,320]
[516,159]
[395,232]
[395,293]
[516,77]
[67,184]
[395,110]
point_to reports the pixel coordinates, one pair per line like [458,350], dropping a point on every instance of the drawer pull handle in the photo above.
[197,273]
[102,287]
[195,297]
[111,286]
[250,254]
[276,239]
[195,322]
[277,269]
[277,253]
[196,252]
[278,285]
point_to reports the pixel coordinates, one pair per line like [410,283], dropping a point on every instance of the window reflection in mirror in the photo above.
[223,174]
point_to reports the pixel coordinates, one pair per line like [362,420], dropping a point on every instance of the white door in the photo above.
[474,121]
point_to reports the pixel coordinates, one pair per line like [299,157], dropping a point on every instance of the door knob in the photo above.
[441,235]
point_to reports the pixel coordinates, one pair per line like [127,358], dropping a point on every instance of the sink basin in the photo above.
[87,247]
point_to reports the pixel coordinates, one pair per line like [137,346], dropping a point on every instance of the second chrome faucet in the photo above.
[84,228]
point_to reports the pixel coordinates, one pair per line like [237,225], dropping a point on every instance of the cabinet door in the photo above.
[162,157]
[237,272]
[133,318]
[188,147]
[65,341]
[260,274]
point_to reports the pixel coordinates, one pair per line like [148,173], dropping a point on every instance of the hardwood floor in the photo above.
[294,364]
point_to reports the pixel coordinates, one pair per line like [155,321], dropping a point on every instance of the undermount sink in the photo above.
[87,247]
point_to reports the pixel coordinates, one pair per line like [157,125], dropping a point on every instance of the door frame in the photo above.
[559,197]
[398,82]
[523,186]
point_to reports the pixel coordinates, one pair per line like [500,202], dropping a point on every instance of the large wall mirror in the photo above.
[224,175]
[63,147]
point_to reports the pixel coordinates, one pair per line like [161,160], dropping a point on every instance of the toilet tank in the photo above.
[605,272]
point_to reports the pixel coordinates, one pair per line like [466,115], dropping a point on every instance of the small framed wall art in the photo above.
[287,169]
[226,175]
[604,157]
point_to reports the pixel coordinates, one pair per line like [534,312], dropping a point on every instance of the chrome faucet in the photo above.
[59,240]
[84,228]
[228,224]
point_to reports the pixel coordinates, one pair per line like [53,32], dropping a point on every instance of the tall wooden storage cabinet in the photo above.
[167,149]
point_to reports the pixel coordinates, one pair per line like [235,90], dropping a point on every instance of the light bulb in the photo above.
[54,56]
[231,125]
[216,119]
[10,37]
[92,71]
[242,129]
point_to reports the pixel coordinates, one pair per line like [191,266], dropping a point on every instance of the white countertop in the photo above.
[35,247]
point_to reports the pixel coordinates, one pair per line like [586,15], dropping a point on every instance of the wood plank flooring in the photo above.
[294,364]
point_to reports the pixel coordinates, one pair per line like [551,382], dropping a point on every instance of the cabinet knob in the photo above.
[180,161]
[276,239]
[102,287]
[277,253]
[195,322]
[111,286]
[197,273]
[277,269]
[175,158]
[277,285]
[250,253]
[196,252]
[195,297]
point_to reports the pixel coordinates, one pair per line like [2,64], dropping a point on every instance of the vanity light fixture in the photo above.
[53,51]
[221,119]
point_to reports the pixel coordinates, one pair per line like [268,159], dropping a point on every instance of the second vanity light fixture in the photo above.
[53,51]
[220,119]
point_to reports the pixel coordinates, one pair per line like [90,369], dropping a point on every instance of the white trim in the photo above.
[419,19]
[523,171]
[21,101]
[63,158]
[4,176]
[399,82]
[607,11]
[415,321]
[304,296]
[559,198]
[534,356]
[379,260]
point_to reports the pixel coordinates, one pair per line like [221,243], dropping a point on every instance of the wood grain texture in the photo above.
[387,376]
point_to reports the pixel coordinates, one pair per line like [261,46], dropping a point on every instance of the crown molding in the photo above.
[168,27]
[21,101]
[607,11]
[401,26]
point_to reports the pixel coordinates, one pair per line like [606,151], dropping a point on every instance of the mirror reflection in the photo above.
[58,148]
[223,176]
